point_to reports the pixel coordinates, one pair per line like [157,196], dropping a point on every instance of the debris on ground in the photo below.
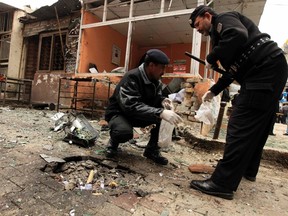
[77,129]
[95,175]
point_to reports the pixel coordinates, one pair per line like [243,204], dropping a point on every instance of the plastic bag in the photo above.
[166,129]
[208,111]
[165,134]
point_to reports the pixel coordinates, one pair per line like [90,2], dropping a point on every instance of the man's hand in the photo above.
[208,65]
[208,96]
[171,117]
[167,104]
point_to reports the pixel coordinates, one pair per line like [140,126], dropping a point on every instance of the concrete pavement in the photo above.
[155,190]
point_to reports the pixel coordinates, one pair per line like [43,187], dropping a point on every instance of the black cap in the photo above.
[200,10]
[156,56]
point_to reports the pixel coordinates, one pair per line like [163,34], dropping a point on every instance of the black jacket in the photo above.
[136,97]
[231,34]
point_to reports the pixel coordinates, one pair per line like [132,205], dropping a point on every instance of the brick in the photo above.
[200,168]
[157,202]
[90,200]
[8,187]
[143,211]
[10,171]
[65,200]
[126,201]
[53,184]
[108,209]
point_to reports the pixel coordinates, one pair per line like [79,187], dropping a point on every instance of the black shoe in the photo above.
[250,178]
[155,155]
[112,149]
[208,187]
[272,134]
[286,134]
[111,152]
[105,128]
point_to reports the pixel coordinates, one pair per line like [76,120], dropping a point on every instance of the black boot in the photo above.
[250,178]
[155,155]
[112,149]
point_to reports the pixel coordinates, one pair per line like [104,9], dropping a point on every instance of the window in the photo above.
[4,52]
[4,47]
[51,52]
[6,20]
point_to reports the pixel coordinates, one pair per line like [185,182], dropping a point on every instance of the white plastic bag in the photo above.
[208,111]
[166,128]
[165,134]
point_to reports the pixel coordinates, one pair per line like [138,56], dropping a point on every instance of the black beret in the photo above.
[156,56]
[200,10]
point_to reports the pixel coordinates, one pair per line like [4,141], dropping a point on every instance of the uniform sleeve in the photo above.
[131,102]
[232,36]
[222,83]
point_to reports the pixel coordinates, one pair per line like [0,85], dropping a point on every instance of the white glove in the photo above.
[167,104]
[171,117]
[208,96]
[208,65]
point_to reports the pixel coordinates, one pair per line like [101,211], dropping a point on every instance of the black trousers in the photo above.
[121,130]
[250,122]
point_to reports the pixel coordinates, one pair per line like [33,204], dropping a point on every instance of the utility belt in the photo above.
[234,68]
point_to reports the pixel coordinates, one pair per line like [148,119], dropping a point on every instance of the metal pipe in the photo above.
[219,120]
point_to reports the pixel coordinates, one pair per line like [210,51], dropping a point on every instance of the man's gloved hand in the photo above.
[208,65]
[167,104]
[171,117]
[208,96]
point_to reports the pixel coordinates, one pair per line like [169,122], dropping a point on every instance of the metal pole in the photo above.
[219,120]
[59,92]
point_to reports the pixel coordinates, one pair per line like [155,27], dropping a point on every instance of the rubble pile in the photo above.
[95,176]
[190,98]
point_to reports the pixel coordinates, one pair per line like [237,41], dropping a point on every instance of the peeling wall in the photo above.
[45,88]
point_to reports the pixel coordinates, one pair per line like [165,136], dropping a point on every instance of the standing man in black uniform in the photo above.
[138,102]
[259,66]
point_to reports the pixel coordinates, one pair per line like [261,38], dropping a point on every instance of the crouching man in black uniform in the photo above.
[138,102]
[259,66]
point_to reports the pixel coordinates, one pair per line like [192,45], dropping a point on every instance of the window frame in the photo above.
[51,54]
[5,41]
[6,21]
